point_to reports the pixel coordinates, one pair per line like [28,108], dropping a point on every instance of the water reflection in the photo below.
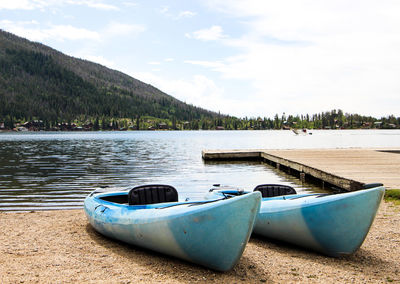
[57,170]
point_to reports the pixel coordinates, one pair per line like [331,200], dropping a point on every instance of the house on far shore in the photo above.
[162,125]
[33,125]
[2,125]
[219,128]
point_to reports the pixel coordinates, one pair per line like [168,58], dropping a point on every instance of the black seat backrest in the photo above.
[272,190]
[153,193]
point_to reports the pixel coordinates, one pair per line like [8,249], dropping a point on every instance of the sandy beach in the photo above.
[60,246]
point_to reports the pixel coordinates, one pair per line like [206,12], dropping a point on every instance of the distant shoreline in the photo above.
[183,130]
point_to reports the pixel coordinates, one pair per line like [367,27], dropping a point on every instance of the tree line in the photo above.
[334,119]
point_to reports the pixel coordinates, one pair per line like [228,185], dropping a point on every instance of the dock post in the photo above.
[302,177]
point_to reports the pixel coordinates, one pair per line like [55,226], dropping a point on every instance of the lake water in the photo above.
[56,170]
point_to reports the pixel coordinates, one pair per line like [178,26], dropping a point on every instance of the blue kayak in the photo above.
[333,224]
[211,233]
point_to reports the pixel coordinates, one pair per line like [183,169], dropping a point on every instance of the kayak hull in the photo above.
[213,234]
[334,225]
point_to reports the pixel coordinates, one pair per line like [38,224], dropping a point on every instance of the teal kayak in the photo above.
[333,224]
[211,233]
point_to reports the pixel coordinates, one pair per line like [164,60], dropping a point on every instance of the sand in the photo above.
[60,246]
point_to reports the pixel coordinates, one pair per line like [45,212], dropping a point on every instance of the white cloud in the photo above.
[213,33]
[169,59]
[164,10]
[130,4]
[121,29]
[40,4]
[68,32]
[215,65]
[197,90]
[186,14]
[101,6]
[96,4]
[154,63]
[314,56]
[32,30]
[21,4]
[89,3]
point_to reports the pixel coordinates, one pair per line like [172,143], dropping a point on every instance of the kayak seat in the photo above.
[150,194]
[272,190]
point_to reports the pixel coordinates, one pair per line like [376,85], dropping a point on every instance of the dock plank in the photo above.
[346,168]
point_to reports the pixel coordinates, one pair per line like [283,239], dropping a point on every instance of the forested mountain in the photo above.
[43,89]
[38,82]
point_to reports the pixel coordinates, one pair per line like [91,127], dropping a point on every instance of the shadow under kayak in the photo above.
[333,224]
[211,233]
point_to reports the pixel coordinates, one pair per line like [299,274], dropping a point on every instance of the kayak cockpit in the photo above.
[144,194]
[273,190]
[266,190]
[120,198]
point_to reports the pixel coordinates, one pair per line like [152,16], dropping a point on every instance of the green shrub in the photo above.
[393,195]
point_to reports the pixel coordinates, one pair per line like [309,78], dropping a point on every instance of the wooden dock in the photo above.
[346,169]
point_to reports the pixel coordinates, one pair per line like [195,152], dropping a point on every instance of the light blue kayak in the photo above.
[211,233]
[333,224]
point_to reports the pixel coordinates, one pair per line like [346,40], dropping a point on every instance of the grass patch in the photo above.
[393,195]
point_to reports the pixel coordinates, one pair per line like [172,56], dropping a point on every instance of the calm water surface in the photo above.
[57,170]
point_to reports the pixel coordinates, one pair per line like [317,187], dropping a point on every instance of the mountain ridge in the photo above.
[32,73]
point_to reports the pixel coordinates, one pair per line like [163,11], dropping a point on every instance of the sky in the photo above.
[243,58]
